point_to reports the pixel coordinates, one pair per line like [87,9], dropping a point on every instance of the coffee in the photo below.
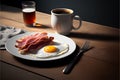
[62,12]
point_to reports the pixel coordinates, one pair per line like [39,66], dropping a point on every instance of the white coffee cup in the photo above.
[62,20]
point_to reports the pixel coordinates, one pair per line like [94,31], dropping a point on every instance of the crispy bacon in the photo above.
[33,42]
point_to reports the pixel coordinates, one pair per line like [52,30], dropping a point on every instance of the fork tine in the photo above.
[85,45]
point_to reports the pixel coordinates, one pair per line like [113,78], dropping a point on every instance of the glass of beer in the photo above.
[29,16]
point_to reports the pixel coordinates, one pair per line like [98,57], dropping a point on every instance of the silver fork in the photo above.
[70,66]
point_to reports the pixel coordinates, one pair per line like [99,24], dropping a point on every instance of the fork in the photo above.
[70,66]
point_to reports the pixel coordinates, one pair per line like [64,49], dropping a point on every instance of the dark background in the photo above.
[104,12]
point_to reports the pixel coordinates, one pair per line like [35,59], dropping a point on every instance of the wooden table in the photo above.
[99,63]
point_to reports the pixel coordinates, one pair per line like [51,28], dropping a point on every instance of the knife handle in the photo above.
[70,66]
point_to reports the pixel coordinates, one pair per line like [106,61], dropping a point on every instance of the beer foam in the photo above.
[27,10]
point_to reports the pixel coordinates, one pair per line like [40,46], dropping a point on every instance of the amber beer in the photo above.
[29,16]
[28,9]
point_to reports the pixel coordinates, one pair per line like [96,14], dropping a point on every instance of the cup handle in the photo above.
[80,22]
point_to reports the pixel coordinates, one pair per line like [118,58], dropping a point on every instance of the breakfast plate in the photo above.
[10,47]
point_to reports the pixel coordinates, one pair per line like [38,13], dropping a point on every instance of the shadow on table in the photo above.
[38,25]
[95,36]
[48,64]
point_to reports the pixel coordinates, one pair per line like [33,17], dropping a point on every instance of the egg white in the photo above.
[61,49]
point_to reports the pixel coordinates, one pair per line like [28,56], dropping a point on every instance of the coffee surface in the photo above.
[62,12]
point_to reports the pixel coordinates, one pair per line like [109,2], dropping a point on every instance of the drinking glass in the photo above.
[29,15]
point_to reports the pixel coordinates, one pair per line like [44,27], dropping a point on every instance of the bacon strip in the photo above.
[33,42]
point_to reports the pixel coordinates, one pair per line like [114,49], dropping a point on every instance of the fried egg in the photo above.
[52,50]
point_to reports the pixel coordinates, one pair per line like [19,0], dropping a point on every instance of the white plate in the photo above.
[10,47]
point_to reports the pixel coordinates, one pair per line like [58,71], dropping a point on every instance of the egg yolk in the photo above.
[50,49]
